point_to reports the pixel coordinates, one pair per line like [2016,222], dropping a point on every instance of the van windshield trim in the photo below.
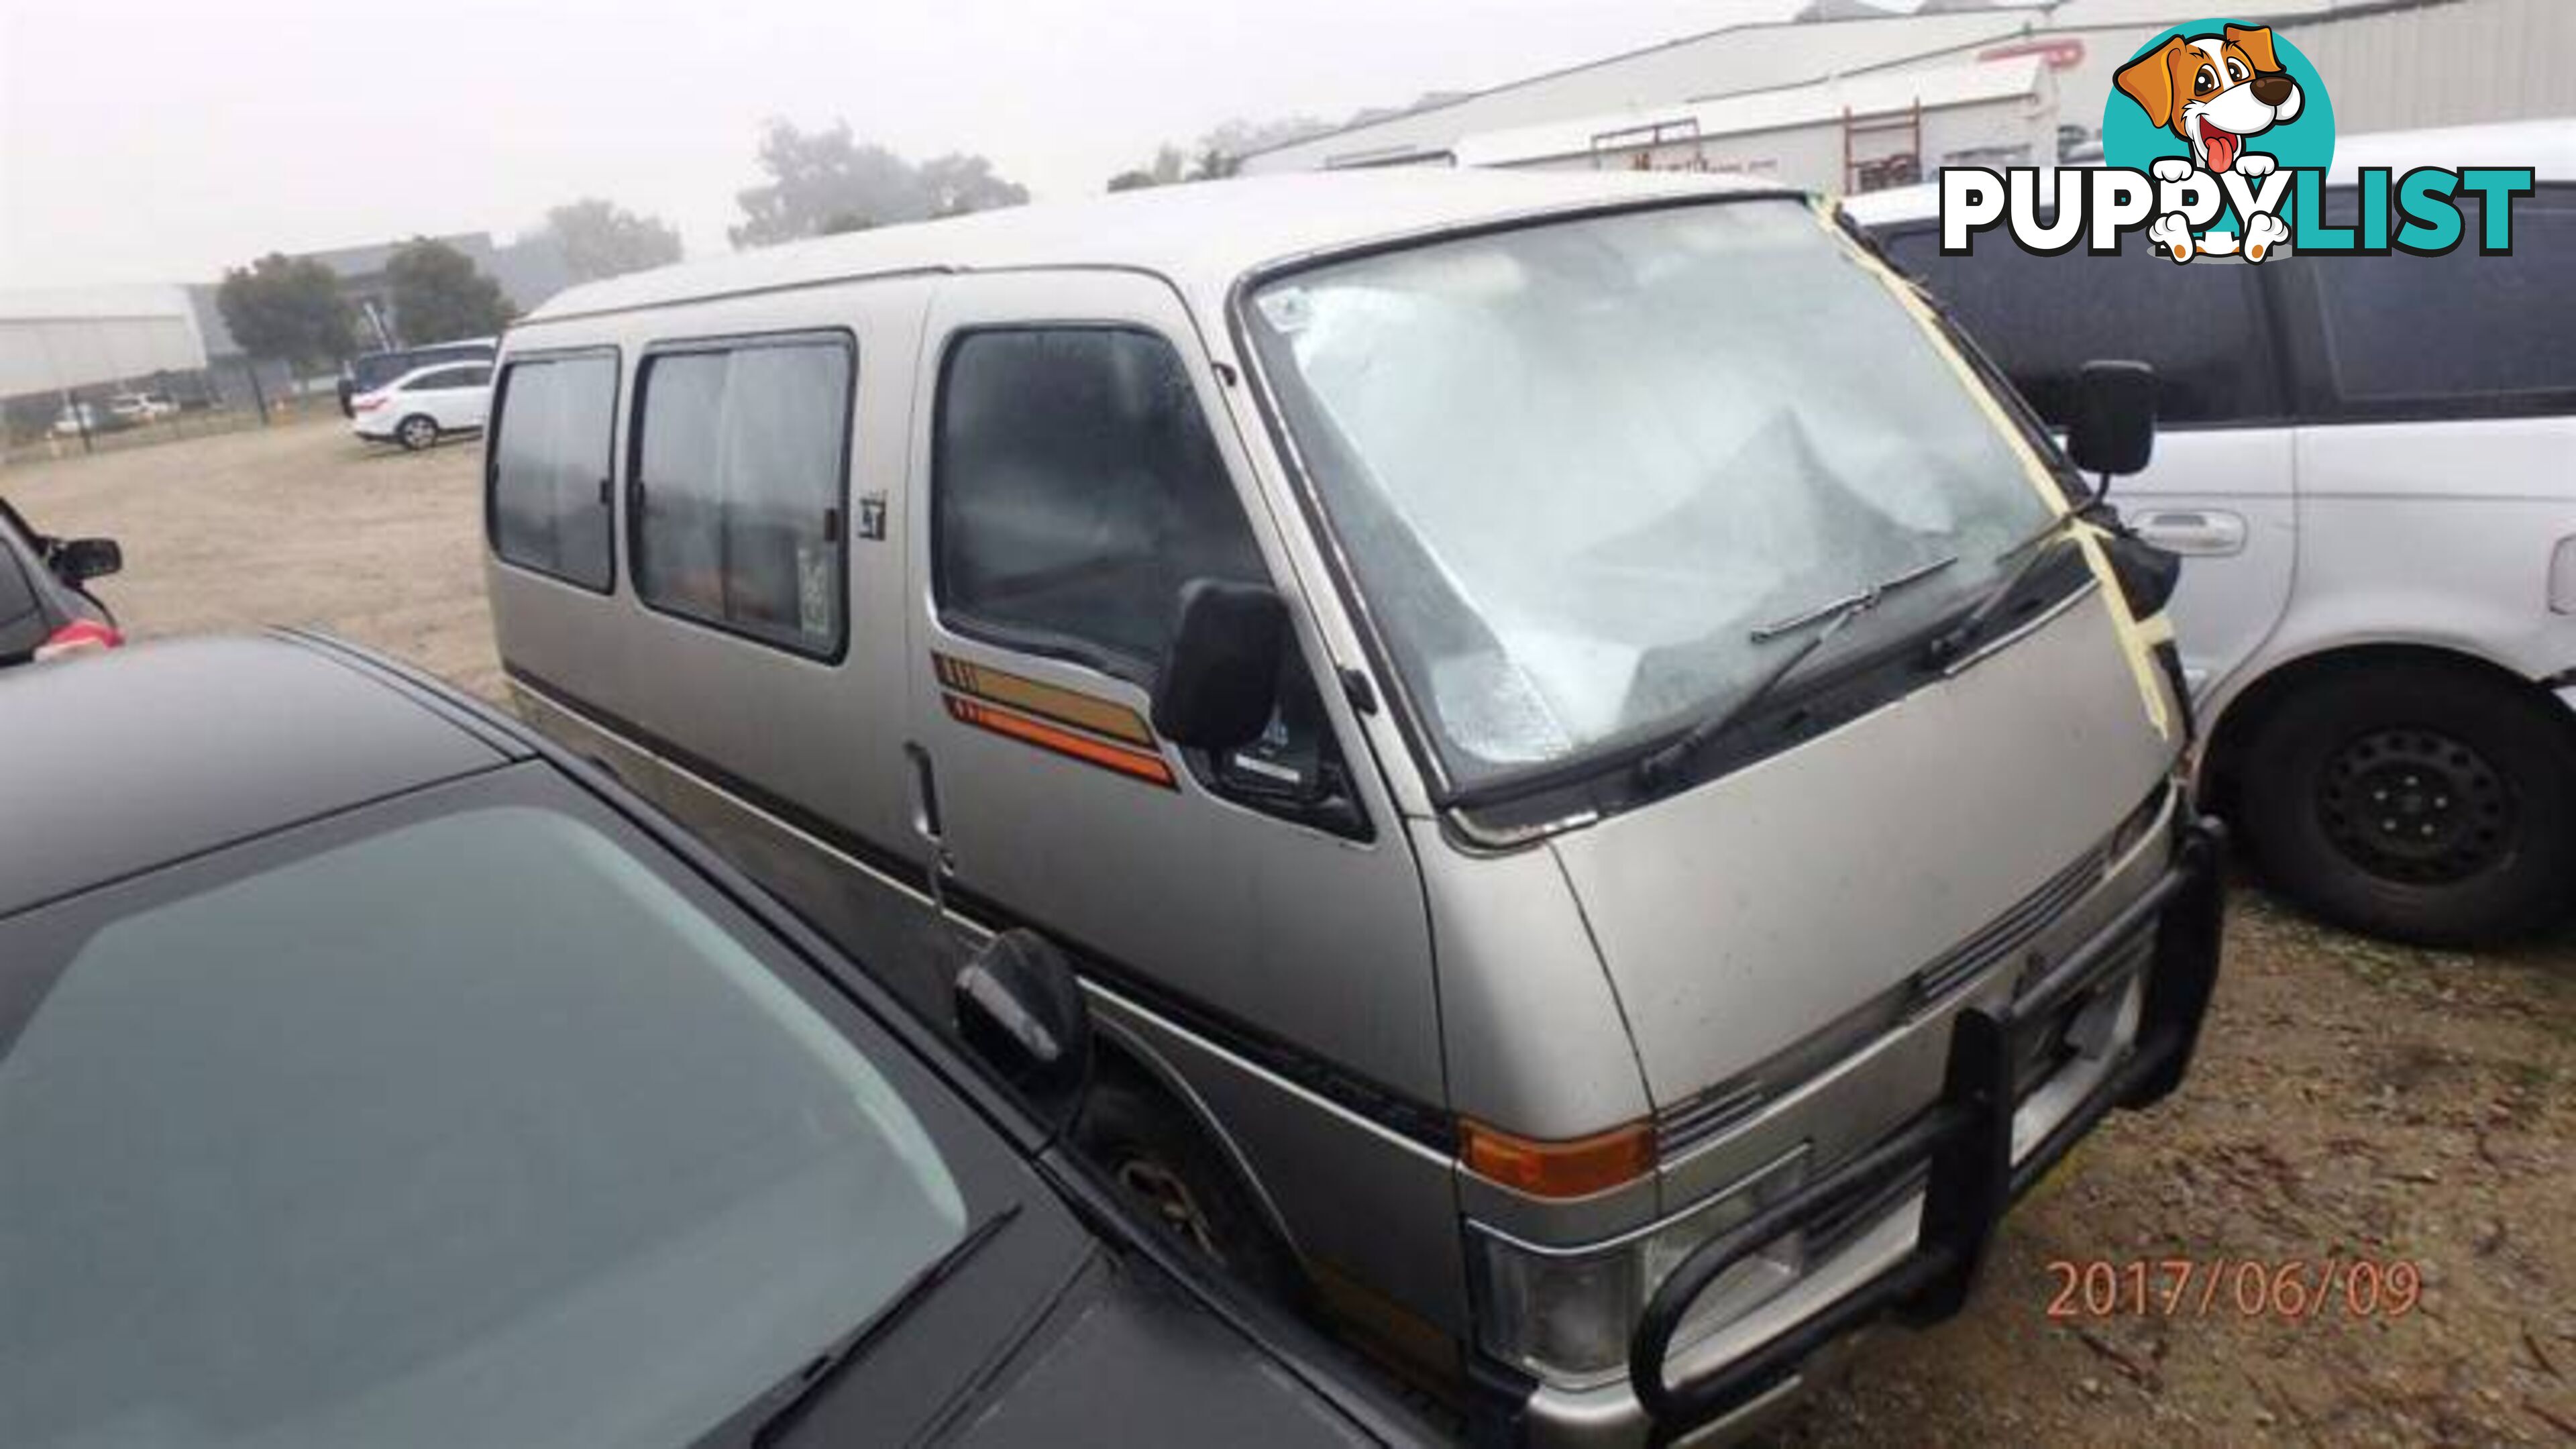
[1841,674]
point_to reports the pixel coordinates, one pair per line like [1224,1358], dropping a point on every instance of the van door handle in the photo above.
[2192,532]
[925,811]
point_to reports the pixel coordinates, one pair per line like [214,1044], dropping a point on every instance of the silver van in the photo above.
[1612,794]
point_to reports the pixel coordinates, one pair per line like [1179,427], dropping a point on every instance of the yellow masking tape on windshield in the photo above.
[2136,641]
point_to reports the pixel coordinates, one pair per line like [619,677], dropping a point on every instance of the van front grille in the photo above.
[1712,1113]
[2008,934]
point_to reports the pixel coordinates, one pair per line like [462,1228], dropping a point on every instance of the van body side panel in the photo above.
[1316,939]
[1536,1044]
[2439,533]
[733,735]
[1824,877]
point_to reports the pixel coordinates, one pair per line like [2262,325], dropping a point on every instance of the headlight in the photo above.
[1566,1314]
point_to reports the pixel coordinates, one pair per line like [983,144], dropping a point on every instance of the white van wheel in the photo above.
[2426,803]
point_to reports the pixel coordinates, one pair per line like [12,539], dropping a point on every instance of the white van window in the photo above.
[740,472]
[2043,318]
[1076,489]
[1576,466]
[554,425]
[2483,332]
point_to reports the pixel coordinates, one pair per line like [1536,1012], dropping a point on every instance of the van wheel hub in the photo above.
[1171,1202]
[2417,806]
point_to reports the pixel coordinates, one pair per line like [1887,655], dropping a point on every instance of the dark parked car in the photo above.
[375,369]
[46,609]
[373,1073]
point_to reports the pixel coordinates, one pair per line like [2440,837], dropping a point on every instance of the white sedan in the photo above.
[424,405]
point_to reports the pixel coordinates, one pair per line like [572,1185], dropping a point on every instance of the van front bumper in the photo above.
[1960,1151]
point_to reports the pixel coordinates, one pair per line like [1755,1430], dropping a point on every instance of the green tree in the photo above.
[599,238]
[826,181]
[288,309]
[438,295]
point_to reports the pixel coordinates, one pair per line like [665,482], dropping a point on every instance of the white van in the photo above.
[1609,813]
[2370,465]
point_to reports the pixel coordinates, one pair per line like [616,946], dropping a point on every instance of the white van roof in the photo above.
[2547,147]
[1200,236]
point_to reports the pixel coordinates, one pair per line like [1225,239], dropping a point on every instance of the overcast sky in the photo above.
[160,140]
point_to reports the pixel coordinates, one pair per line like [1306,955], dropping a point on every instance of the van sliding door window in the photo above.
[1076,489]
[2461,335]
[555,421]
[740,476]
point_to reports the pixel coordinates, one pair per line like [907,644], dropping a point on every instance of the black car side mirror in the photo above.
[2113,432]
[1020,1009]
[83,559]
[1221,682]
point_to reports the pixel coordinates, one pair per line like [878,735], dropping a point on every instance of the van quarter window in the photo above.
[555,425]
[1076,489]
[2415,335]
[2043,318]
[741,468]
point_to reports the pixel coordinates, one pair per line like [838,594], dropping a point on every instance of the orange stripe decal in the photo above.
[1135,764]
[1046,701]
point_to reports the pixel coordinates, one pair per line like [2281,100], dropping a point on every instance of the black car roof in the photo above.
[118,763]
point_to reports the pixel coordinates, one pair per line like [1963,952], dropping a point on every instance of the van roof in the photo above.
[1200,236]
[2547,147]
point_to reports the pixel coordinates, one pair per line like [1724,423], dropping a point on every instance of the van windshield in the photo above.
[1574,466]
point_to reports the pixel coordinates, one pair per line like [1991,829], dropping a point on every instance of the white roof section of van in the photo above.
[1864,97]
[1201,236]
[2547,147]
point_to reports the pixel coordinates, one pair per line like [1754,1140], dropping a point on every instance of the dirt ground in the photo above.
[2409,1116]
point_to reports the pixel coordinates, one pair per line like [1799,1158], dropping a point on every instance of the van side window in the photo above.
[2043,318]
[2456,334]
[1076,489]
[554,426]
[741,468]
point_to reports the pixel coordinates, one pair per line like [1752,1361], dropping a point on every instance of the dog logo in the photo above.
[2217,141]
[2215,92]
[2228,106]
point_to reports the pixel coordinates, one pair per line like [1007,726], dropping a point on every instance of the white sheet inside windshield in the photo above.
[1574,464]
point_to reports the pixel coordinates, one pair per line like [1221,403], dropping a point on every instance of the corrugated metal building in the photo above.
[2390,64]
[1701,67]
[60,339]
[1871,129]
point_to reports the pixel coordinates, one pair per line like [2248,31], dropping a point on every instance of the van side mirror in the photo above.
[83,559]
[1221,682]
[1020,1010]
[2113,432]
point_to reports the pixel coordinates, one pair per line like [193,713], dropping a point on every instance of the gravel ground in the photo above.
[2409,1112]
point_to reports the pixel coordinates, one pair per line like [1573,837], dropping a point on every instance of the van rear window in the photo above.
[740,475]
[554,429]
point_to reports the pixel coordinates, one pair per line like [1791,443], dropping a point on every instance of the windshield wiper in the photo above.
[1652,770]
[806,1383]
[2039,546]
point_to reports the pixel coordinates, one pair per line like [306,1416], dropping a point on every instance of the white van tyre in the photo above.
[416,432]
[1167,1165]
[2425,803]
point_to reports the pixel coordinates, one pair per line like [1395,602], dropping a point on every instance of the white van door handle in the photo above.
[2193,532]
